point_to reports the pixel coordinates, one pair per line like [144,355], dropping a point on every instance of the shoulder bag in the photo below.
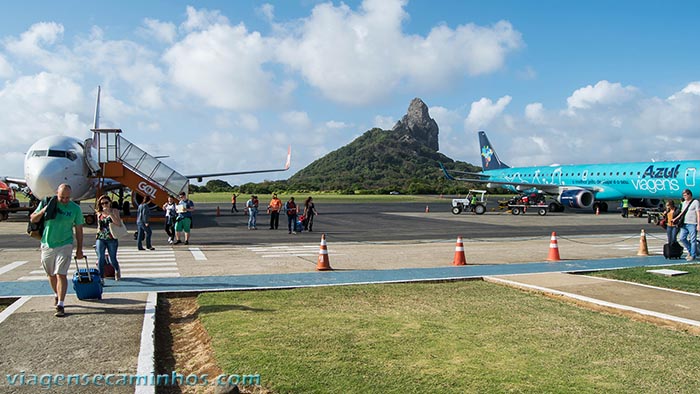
[118,231]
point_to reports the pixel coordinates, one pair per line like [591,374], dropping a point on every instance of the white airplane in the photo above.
[54,160]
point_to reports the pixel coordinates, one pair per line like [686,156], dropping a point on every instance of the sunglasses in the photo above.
[105,202]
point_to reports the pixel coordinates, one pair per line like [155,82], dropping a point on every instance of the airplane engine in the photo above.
[576,198]
[646,202]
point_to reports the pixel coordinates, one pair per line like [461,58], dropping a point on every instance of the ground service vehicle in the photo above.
[460,205]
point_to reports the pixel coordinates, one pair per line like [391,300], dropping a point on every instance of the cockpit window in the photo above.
[70,155]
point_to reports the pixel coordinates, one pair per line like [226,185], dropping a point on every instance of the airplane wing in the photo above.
[16,181]
[286,167]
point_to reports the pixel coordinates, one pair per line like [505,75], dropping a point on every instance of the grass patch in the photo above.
[440,338]
[689,282]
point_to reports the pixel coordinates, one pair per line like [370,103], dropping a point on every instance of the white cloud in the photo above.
[334,124]
[535,113]
[358,57]
[32,107]
[267,10]
[6,70]
[603,93]
[248,122]
[223,65]
[484,111]
[296,119]
[161,31]
[31,42]
[384,122]
[202,19]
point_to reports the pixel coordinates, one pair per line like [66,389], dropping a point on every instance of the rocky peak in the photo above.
[417,125]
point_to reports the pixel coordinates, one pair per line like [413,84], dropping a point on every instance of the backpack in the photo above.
[36,230]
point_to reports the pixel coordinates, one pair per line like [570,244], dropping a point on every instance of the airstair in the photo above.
[112,157]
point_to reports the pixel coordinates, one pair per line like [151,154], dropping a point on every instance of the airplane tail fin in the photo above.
[489,158]
[289,158]
[96,122]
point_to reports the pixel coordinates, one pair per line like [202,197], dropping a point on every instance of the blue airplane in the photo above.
[644,184]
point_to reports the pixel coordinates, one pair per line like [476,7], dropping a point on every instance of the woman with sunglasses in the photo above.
[105,241]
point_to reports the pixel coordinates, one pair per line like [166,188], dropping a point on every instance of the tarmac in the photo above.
[114,336]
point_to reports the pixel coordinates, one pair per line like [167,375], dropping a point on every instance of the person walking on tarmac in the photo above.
[233,203]
[309,214]
[689,221]
[273,208]
[61,216]
[252,209]
[671,228]
[143,224]
[625,207]
[290,207]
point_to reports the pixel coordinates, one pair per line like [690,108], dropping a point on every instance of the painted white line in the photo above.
[145,366]
[11,266]
[647,286]
[197,254]
[149,269]
[288,255]
[146,264]
[145,260]
[160,275]
[140,267]
[595,301]
[132,274]
[12,308]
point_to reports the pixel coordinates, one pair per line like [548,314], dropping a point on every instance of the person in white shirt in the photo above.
[689,220]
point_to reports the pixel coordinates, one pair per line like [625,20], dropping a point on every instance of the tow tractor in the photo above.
[460,205]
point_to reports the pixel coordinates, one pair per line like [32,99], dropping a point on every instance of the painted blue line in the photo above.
[338,277]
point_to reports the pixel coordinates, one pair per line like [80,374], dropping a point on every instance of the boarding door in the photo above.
[690,177]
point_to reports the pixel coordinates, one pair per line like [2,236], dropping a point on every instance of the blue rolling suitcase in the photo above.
[298,226]
[87,283]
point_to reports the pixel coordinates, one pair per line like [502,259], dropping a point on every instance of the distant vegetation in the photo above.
[378,162]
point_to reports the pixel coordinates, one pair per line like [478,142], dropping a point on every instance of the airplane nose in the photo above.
[43,175]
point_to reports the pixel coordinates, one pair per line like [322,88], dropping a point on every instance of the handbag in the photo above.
[663,223]
[118,231]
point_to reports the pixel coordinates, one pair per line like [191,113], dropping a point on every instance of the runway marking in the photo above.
[12,266]
[133,263]
[287,251]
[12,308]
[197,254]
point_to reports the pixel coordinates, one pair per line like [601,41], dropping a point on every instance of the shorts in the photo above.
[183,225]
[56,261]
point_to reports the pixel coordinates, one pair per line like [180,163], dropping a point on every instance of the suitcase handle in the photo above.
[87,267]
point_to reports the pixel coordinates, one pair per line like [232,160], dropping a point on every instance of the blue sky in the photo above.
[221,85]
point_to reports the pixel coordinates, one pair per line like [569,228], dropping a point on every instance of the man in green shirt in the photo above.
[62,215]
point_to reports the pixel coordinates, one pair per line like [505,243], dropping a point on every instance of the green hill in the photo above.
[380,161]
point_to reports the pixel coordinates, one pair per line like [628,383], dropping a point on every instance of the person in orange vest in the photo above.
[290,207]
[274,210]
[233,203]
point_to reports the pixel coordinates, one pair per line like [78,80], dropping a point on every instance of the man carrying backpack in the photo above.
[62,216]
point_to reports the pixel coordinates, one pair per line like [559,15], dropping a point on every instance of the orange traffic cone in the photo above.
[553,248]
[218,211]
[459,259]
[597,210]
[323,263]
[643,250]
[427,209]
